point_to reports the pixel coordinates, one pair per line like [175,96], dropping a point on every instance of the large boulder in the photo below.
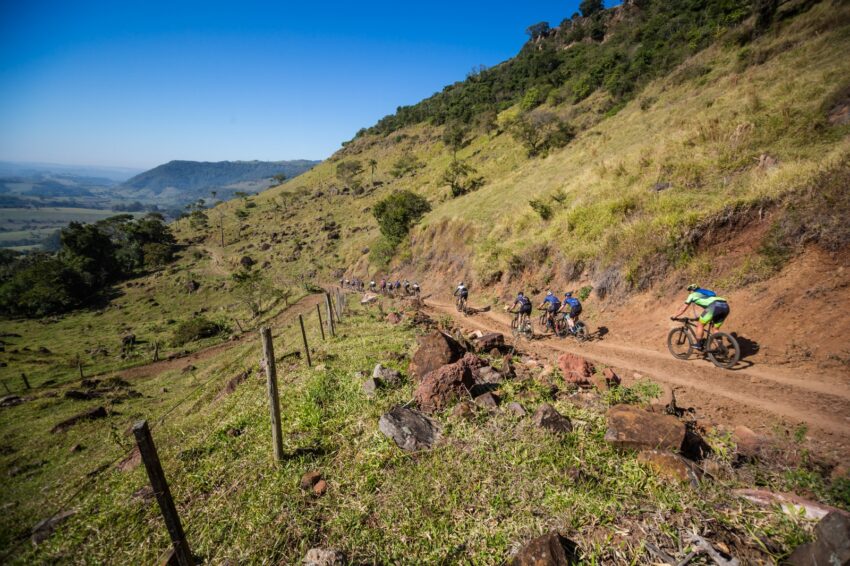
[672,466]
[576,369]
[631,427]
[91,414]
[546,416]
[439,388]
[409,429]
[549,550]
[435,350]
[831,545]
[487,342]
[748,444]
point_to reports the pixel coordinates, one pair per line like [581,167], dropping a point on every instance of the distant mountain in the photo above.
[104,175]
[181,182]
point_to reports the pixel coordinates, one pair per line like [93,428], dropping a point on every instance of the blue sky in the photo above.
[140,83]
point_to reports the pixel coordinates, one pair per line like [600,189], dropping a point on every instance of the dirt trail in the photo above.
[760,397]
[305,306]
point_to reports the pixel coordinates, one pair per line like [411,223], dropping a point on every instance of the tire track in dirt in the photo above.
[751,396]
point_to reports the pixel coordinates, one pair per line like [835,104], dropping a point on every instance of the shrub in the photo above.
[407,164]
[541,208]
[196,329]
[584,292]
[398,212]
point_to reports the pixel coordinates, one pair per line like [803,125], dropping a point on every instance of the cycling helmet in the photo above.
[549,293]
[568,294]
[520,294]
[460,284]
[693,287]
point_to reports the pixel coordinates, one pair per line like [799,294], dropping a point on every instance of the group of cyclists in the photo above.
[385,286]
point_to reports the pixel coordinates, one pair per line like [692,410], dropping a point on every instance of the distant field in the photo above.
[23,228]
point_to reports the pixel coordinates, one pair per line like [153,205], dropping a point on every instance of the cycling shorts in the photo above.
[553,307]
[525,309]
[575,312]
[464,294]
[715,313]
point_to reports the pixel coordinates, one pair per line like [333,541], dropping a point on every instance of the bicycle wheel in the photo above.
[723,350]
[582,334]
[679,343]
[515,329]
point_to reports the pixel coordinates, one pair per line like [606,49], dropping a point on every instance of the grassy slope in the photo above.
[496,480]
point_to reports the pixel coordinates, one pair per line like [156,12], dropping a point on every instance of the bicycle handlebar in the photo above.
[684,319]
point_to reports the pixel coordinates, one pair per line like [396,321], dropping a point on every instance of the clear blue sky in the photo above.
[127,83]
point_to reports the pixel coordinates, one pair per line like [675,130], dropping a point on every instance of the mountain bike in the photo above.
[579,332]
[720,348]
[543,321]
[460,304]
[521,331]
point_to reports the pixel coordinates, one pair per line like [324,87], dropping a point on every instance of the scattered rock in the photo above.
[393,318]
[767,162]
[546,416]
[188,369]
[310,479]
[661,186]
[749,444]
[840,472]
[11,400]
[91,414]
[549,550]
[830,547]
[436,349]
[409,429]
[234,432]
[487,401]
[371,386]
[441,387]
[323,557]
[44,528]
[488,375]
[631,427]
[575,369]
[131,461]
[247,261]
[192,286]
[320,488]
[144,494]
[487,342]
[76,448]
[611,378]
[791,504]
[516,409]
[232,384]
[671,466]
[464,411]
[81,395]
[368,299]
[388,376]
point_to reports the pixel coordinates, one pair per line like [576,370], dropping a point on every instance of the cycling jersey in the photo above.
[554,303]
[462,291]
[524,304]
[702,300]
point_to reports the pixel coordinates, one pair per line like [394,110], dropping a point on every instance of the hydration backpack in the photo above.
[706,292]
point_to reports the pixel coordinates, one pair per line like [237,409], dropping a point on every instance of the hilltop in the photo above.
[181,182]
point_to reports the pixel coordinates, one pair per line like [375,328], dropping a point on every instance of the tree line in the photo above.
[90,259]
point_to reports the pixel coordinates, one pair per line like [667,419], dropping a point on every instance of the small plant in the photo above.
[541,208]
[584,292]
[196,329]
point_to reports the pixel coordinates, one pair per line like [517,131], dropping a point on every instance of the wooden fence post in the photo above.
[26,381]
[330,314]
[156,351]
[321,325]
[147,449]
[271,382]
[80,366]
[6,385]
[304,336]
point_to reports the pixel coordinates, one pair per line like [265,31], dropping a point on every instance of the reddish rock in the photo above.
[671,466]
[440,387]
[310,479]
[631,427]
[320,488]
[490,341]
[131,461]
[549,550]
[749,444]
[393,318]
[575,369]
[232,384]
[549,418]
[516,409]
[611,378]
[435,350]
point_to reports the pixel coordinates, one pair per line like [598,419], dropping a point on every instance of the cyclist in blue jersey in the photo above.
[523,306]
[715,310]
[571,310]
[552,305]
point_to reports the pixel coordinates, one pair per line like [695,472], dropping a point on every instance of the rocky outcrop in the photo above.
[439,388]
[409,429]
[831,545]
[671,466]
[576,369]
[435,350]
[631,427]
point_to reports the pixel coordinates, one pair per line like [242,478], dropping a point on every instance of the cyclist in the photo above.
[461,291]
[523,306]
[715,310]
[372,285]
[406,285]
[571,310]
[552,305]
[384,286]
[416,289]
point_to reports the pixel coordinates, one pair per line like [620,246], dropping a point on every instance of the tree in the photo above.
[251,288]
[459,176]
[406,164]
[590,7]
[279,178]
[454,136]
[348,171]
[373,164]
[398,212]
[537,30]
[540,131]
[90,252]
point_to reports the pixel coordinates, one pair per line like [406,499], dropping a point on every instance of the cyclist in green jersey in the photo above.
[715,310]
